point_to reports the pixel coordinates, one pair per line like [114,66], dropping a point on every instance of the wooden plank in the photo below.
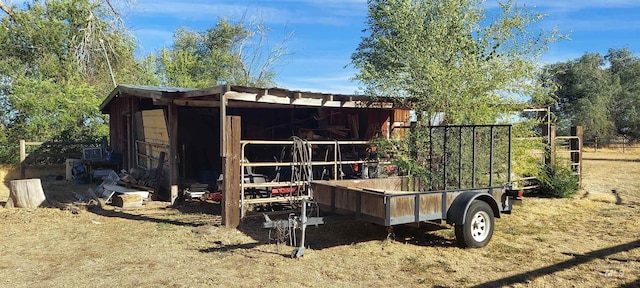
[157,187]
[402,206]
[382,184]
[197,103]
[155,126]
[431,203]
[373,205]
[231,179]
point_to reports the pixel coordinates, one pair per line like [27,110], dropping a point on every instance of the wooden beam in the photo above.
[173,151]
[217,90]
[231,180]
[223,125]
[197,103]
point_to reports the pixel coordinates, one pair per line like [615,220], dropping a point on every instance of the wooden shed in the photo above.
[191,125]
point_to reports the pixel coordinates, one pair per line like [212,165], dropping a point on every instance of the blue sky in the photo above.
[327,32]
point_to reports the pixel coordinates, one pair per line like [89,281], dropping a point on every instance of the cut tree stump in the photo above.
[26,193]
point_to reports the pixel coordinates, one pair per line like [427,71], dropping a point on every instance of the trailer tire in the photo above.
[477,229]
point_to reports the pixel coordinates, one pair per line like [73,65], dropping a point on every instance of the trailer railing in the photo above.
[468,156]
[296,188]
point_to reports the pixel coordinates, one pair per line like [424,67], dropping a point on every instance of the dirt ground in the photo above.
[590,240]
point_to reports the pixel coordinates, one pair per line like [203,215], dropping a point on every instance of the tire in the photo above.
[477,229]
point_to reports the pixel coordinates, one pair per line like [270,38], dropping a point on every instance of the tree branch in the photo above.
[6,8]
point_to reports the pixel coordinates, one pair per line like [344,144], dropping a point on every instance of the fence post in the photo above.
[549,136]
[231,161]
[23,156]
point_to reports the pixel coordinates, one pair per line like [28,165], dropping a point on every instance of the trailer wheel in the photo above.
[477,230]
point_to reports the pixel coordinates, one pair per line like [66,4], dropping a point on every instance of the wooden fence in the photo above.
[51,154]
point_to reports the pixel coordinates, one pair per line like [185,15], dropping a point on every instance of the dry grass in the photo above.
[585,241]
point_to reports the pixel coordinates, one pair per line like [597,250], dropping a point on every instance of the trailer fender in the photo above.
[458,210]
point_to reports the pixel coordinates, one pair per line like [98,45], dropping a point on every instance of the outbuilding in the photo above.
[189,130]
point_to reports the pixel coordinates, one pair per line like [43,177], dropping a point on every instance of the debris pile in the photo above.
[140,177]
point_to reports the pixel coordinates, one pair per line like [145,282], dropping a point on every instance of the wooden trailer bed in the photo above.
[389,201]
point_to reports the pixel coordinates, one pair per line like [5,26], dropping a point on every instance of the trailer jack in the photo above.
[286,228]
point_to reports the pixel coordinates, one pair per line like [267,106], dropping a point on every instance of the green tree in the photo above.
[625,69]
[53,73]
[227,53]
[585,96]
[600,93]
[453,58]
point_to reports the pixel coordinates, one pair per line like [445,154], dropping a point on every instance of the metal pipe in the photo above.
[290,142]
[510,155]
[460,158]
[242,200]
[314,163]
[491,158]
[473,159]
[444,159]
[430,158]
[335,159]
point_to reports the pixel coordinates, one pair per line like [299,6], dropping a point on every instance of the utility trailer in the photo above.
[469,185]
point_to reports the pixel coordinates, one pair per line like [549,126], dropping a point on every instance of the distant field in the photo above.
[590,240]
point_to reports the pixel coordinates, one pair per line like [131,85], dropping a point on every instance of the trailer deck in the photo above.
[388,202]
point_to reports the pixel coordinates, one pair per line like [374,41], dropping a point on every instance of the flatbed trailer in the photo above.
[402,200]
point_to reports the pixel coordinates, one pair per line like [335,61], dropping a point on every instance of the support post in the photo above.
[173,152]
[552,143]
[576,157]
[231,180]
[23,156]
[549,137]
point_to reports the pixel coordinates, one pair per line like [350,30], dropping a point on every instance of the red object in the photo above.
[216,196]
[283,190]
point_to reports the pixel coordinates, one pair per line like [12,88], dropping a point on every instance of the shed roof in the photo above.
[250,97]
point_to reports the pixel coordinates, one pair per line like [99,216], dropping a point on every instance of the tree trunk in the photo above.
[26,193]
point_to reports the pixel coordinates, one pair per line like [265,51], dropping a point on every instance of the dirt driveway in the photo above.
[590,240]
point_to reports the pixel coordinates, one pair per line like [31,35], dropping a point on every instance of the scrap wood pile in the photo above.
[127,189]
[140,177]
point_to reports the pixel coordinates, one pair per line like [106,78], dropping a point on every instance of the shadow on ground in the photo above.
[577,260]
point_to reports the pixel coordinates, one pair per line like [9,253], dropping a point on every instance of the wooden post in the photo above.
[173,151]
[231,180]
[549,137]
[223,122]
[576,157]
[552,143]
[23,156]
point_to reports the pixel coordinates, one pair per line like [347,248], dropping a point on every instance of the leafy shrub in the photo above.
[558,180]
